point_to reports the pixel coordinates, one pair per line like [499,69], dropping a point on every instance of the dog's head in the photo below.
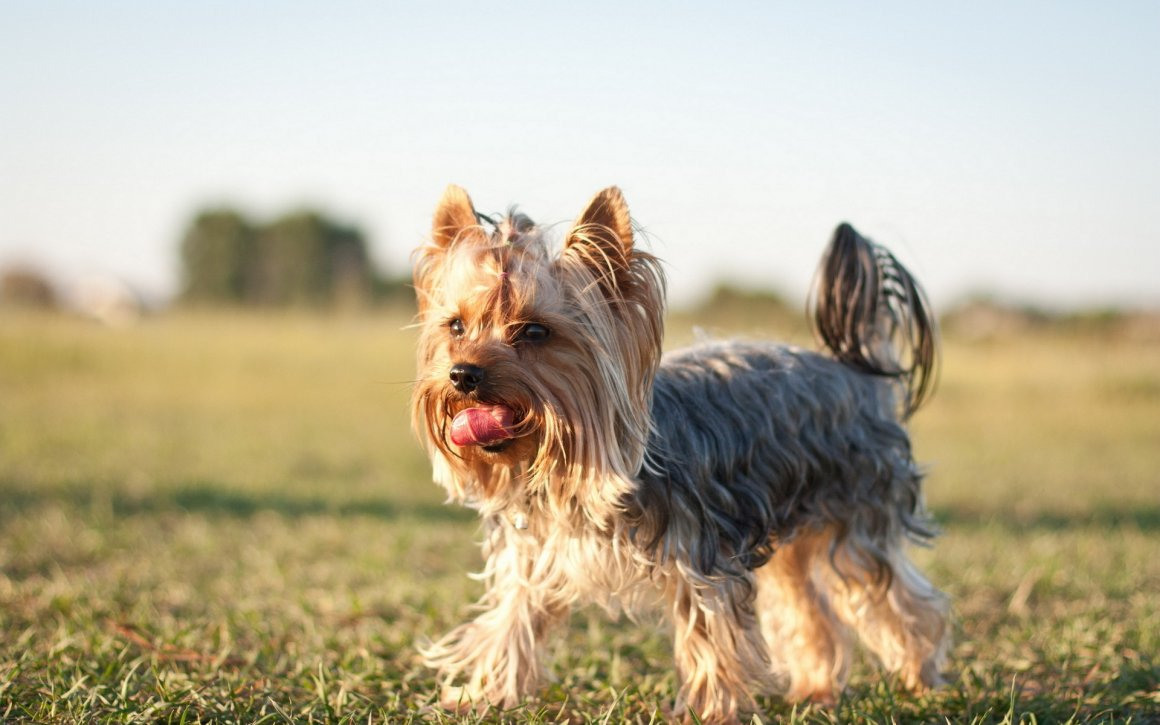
[534,367]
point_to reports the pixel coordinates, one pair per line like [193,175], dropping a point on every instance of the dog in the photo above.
[761,494]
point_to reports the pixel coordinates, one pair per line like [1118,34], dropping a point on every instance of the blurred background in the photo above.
[1006,150]
[211,503]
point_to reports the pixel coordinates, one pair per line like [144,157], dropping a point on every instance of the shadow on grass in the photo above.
[215,499]
[1144,518]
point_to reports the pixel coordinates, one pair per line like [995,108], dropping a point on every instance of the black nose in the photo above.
[466,378]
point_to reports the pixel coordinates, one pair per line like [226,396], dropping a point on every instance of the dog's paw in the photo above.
[813,694]
[922,678]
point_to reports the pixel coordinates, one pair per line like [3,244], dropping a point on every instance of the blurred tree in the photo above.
[301,259]
[306,260]
[217,253]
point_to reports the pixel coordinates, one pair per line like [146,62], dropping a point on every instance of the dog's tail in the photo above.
[873,315]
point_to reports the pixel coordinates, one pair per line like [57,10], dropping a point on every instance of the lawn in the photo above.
[226,518]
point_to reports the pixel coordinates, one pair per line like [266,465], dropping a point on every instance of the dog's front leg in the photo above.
[496,658]
[718,647]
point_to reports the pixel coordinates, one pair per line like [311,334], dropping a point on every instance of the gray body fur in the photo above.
[754,442]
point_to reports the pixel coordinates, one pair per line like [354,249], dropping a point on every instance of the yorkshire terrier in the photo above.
[761,494]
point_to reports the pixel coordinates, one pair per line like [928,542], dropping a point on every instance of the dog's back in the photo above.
[753,441]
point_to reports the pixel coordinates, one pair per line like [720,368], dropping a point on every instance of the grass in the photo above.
[225,518]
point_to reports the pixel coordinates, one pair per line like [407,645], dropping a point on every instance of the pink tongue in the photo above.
[481,426]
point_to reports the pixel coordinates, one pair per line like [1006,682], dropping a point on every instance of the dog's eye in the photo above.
[456,327]
[533,332]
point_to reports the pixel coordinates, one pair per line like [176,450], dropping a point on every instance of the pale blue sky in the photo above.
[1009,146]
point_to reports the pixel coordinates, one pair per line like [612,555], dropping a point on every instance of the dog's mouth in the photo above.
[491,427]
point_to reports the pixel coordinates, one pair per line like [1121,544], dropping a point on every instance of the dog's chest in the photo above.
[579,563]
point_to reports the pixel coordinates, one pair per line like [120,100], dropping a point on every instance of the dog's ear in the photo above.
[454,218]
[602,238]
[454,222]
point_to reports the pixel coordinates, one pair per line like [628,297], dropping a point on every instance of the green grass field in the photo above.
[226,518]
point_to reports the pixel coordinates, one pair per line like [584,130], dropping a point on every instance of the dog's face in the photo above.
[529,360]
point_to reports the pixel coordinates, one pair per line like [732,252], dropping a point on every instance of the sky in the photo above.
[1011,148]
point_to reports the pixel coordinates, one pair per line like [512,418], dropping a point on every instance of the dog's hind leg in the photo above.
[903,621]
[809,647]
